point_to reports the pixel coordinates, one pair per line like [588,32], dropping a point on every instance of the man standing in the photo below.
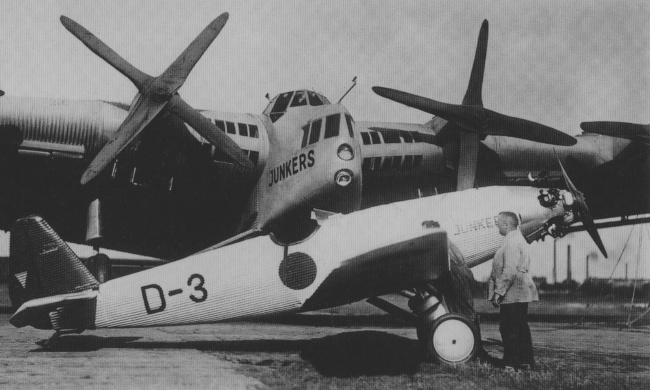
[511,288]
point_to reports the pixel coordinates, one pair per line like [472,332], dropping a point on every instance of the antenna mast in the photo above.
[354,83]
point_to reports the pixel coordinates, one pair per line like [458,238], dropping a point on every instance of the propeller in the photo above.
[582,211]
[473,122]
[156,94]
[631,131]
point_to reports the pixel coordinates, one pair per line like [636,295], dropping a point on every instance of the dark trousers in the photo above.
[515,333]
[457,291]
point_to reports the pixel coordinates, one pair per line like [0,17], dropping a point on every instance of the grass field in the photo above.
[331,349]
[374,359]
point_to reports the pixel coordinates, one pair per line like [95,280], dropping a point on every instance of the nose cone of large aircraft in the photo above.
[324,174]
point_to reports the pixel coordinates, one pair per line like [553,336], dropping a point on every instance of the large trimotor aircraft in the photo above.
[165,180]
[395,248]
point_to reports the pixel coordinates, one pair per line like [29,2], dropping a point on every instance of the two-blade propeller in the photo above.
[473,122]
[155,95]
[584,215]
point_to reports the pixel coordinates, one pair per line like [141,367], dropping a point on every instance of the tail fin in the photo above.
[42,265]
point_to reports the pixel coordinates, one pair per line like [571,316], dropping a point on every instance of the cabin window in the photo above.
[374,136]
[391,137]
[332,125]
[221,125]
[397,161]
[388,162]
[367,163]
[366,138]
[408,137]
[254,133]
[417,160]
[230,127]
[408,161]
[314,100]
[282,102]
[243,129]
[349,121]
[300,99]
[305,135]
[280,106]
[314,135]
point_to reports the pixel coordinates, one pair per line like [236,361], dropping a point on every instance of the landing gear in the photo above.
[99,266]
[446,338]
[452,339]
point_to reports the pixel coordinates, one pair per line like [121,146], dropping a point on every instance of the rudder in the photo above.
[41,264]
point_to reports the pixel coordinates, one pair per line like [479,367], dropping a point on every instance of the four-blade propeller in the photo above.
[155,95]
[473,122]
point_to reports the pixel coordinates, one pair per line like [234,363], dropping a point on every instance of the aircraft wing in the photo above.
[170,193]
[384,270]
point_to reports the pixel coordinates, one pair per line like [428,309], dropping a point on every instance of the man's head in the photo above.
[507,222]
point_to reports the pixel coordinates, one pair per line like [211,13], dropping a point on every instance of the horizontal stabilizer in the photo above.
[248,234]
[31,312]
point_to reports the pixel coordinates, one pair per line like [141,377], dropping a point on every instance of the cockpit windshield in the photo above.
[280,103]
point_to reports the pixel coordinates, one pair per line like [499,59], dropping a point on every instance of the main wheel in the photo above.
[452,339]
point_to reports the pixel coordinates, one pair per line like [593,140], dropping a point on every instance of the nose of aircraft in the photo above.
[324,175]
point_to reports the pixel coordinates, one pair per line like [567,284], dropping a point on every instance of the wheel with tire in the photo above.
[452,339]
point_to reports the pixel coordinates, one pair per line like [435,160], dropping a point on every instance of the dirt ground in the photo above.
[309,353]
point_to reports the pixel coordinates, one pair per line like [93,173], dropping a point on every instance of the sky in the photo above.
[556,62]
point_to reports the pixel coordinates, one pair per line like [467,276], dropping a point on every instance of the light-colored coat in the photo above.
[510,277]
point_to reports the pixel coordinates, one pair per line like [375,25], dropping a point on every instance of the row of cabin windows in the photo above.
[312,131]
[391,163]
[390,137]
[245,130]
[253,155]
